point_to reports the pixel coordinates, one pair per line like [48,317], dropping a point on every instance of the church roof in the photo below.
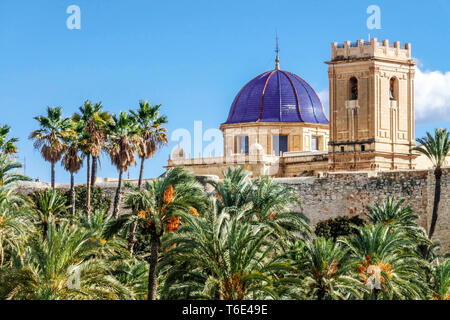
[277,96]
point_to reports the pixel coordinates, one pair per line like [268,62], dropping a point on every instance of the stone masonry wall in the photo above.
[349,194]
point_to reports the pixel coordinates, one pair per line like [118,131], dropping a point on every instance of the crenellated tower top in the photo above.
[371,49]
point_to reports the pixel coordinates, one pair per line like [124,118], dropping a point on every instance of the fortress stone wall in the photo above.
[349,193]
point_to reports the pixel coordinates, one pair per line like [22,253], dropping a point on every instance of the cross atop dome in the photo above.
[277,59]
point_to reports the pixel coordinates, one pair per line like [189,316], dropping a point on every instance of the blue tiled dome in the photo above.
[277,96]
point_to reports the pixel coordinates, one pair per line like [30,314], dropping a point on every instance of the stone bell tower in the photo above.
[371,87]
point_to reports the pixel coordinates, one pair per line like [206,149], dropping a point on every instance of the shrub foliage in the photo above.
[337,227]
[99,201]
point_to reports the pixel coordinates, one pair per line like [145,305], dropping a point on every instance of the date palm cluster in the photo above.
[179,237]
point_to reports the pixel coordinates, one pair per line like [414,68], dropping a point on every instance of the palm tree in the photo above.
[325,270]
[273,205]
[113,247]
[121,144]
[436,149]
[440,282]
[218,256]
[270,203]
[396,215]
[47,206]
[14,221]
[50,137]
[92,124]
[63,266]
[157,207]
[387,263]
[95,163]
[7,146]
[234,189]
[72,162]
[152,134]
[15,224]
[133,274]
[6,166]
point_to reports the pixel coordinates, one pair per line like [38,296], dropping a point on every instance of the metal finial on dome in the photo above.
[277,59]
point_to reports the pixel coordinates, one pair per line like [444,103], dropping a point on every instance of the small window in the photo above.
[314,143]
[353,86]
[342,149]
[363,147]
[393,88]
[280,144]
[243,144]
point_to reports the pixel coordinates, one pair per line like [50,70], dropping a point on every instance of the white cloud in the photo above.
[324,96]
[432,96]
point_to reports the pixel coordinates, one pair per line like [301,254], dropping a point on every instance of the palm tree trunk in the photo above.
[72,192]
[153,263]
[94,171]
[322,292]
[88,186]
[53,175]
[141,172]
[2,256]
[44,229]
[117,197]
[437,198]
[132,239]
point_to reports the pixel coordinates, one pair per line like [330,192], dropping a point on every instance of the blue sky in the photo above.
[192,57]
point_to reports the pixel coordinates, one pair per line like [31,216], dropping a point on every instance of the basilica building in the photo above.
[277,124]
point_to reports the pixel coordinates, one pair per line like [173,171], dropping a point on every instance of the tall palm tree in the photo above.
[92,125]
[121,144]
[63,266]
[72,161]
[50,137]
[152,136]
[95,163]
[7,146]
[436,149]
[157,207]
[151,131]
[387,263]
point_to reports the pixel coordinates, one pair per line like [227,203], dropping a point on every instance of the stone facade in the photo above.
[261,136]
[349,193]
[300,158]
[373,127]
